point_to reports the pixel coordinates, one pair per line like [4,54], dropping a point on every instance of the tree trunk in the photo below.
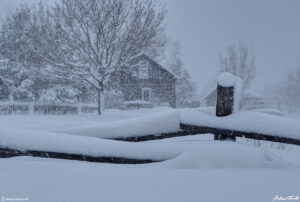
[100,101]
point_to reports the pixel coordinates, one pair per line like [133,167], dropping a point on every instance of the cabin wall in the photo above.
[161,82]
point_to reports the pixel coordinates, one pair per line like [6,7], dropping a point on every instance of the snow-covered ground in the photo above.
[194,168]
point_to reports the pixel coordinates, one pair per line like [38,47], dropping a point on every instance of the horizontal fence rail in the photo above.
[155,136]
[7,153]
[187,130]
[235,133]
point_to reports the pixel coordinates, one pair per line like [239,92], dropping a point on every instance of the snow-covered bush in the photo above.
[113,99]
[63,94]
[185,88]
[15,81]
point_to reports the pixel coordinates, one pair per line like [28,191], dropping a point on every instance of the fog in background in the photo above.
[207,27]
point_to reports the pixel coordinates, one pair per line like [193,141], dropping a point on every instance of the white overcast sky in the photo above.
[206,27]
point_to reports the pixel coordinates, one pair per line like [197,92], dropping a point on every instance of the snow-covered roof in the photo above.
[160,66]
[211,92]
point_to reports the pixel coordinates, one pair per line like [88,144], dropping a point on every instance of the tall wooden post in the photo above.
[225,102]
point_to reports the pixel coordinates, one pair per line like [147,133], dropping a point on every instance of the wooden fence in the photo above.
[9,109]
[187,130]
[25,108]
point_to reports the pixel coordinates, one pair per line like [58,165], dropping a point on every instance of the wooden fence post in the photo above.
[225,101]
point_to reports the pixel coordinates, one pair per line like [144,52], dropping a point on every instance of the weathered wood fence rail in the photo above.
[234,133]
[195,130]
[155,136]
[7,153]
[186,130]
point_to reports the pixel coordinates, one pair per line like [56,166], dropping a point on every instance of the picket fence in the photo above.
[42,108]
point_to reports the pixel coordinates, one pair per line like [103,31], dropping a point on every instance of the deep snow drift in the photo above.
[237,172]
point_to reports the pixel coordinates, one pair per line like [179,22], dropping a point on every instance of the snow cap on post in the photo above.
[226,79]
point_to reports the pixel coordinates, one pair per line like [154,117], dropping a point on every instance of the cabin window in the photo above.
[144,70]
[134,73]
[146,94]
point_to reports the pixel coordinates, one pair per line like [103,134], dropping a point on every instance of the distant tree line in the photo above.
[287,91]
[240,61]
[186,90]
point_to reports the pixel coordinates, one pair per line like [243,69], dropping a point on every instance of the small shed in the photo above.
[211,98]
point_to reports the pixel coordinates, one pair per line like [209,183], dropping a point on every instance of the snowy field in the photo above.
[192,168]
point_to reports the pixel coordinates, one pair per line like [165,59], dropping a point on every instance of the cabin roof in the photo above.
[143,55]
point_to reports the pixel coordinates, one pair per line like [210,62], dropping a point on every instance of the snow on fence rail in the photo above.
[249,124]
[40,108]
[253,125]
[70,144]
[14,142]
[151,124]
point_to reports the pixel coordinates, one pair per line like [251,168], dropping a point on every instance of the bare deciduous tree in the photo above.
[88,40]
[240,62]
[185,87]
[287,92]
[174,55]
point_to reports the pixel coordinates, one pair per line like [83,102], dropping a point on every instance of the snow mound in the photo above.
[246,121]
[156,123]
[208,110]
[270,111]
[226,79]
[217,155]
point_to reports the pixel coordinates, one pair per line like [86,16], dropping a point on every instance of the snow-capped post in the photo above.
[228,96]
